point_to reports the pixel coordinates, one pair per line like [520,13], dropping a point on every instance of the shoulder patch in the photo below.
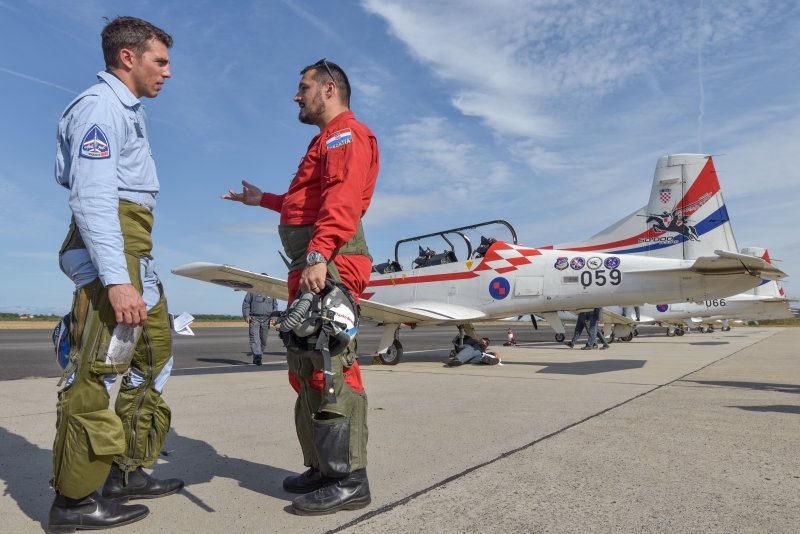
[95,144]
[340,138]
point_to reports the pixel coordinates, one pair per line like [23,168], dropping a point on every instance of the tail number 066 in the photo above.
[601,278]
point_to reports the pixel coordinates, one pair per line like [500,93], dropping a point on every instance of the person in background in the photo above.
[595,333]
[472,350]
[580,326]
[257,310]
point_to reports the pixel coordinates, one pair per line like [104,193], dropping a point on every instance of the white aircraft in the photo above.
[685,218]
[765,301]
[501,278]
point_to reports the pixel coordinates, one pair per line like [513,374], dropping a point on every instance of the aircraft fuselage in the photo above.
[513,279]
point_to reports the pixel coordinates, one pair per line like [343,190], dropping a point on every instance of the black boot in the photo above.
[348,493]
[140,485]
[306,482]
[93,512]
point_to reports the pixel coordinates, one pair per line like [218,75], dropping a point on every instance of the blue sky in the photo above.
[550,114]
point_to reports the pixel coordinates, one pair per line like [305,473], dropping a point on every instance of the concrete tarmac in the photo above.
[690,434]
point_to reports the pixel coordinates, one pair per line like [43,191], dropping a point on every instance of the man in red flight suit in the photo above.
[321,232]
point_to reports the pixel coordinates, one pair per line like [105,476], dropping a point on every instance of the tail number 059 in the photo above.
[601,278]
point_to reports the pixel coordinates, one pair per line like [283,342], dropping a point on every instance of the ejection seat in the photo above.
[486,242]
[389,266]
[428,257]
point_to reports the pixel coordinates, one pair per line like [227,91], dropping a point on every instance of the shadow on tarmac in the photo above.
[197,462]
[709,343]
[584,368]
[25,468]
[761,386]
[779,408]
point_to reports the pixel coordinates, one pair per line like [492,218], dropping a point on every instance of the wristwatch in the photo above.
[315,257]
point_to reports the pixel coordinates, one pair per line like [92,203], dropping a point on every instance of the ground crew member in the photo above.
[321,232]
[119,320]
[257,310]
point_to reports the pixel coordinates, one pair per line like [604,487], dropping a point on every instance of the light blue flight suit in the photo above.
[104,159]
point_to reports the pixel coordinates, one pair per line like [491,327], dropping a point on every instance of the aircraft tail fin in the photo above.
[768,289]
[685,217]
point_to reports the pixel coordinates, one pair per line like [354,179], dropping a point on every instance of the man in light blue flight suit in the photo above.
[119,321]
[257,310]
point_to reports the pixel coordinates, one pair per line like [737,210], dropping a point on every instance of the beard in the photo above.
[311,113]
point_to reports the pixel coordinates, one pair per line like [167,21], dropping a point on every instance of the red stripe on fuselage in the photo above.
[422,279]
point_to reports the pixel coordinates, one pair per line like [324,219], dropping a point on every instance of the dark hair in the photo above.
[328,69]
[131,33]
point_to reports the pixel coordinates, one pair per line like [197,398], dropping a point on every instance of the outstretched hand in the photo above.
[250,195]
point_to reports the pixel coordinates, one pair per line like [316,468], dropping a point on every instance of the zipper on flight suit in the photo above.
[146,384]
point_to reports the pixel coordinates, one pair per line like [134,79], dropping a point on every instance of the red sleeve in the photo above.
[344,175]
[272,201]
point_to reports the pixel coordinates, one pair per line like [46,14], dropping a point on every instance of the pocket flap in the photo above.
[103,432]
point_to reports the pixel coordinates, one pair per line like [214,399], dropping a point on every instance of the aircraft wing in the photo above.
[420,313]
[726,262]
[269,286]
[235,278]
[616,318]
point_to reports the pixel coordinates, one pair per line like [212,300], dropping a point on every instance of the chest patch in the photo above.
[340,138]
[95,144]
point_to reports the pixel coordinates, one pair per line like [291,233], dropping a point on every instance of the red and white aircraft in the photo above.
[685,218]
[501,278]
[766,301]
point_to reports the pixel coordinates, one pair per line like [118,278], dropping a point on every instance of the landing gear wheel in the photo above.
[726,329]
[560,337]
[628,337]
[671,333]
[393,354]
[679,331]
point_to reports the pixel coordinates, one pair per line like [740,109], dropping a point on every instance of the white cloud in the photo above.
[522,66]
[430,155]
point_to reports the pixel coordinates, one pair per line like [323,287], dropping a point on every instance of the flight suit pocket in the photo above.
[91,442]
[115,349]
[332,443]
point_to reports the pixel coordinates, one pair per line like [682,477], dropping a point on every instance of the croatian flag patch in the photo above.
[95,144]
[340,138]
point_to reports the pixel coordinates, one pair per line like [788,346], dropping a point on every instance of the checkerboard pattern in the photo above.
[505,257]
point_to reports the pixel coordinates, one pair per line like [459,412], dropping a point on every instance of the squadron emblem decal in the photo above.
[562,262]
[662,307]
[577,263]
[594,262]
[612,262]
[95,144]
[499,288]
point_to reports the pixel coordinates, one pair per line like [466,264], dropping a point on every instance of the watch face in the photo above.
[315,257]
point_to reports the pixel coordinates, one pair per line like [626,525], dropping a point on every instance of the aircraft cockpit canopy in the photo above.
[447,246]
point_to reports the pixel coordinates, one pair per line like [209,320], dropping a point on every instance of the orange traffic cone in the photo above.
[511,340]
